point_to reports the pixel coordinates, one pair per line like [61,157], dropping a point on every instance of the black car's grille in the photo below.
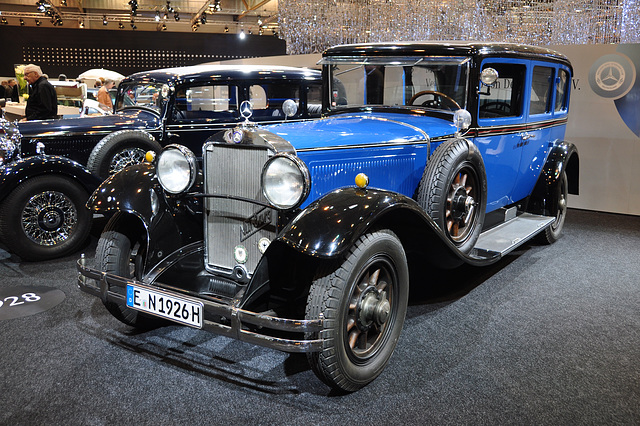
[232,225]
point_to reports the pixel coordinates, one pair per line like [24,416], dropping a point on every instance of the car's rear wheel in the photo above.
[553,232]
[119,150]
[45,217]
[453,192]
[363,301]
[121,251]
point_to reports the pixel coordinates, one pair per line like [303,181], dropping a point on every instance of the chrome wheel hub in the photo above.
[49,218]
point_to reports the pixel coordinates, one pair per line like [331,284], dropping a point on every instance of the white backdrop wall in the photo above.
[604,122]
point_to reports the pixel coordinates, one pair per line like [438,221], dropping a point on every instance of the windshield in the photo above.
[136,93]
[430,82]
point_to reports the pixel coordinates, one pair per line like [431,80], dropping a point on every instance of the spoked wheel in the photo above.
[121,251]
[554,231]
[45,217]
[364,302]
[119,150]
[453,192]
[125,158]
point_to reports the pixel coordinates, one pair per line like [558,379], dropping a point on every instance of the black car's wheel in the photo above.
[45,217]
[453,192]
[553,232]
[363,301]
[119,150]
[121,252]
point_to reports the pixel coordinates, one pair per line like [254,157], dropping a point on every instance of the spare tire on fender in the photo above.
[119,150]
[453,191]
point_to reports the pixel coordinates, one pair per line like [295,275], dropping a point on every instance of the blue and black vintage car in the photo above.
[176,105]
[306,237]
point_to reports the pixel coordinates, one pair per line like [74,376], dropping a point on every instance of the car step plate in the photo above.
[509,235]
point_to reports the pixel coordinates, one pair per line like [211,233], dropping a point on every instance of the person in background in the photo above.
[104,98]
[15,96]
[5,92]
[42,103]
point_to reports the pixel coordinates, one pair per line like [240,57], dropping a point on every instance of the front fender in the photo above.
[332,224]
[16,172]
[136,191]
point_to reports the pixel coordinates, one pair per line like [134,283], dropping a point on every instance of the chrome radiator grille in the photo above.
[232,226]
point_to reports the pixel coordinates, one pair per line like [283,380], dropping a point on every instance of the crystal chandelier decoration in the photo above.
[310,26]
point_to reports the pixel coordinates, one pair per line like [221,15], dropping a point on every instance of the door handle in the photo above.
[525,136]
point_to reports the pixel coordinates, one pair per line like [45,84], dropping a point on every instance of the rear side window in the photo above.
[206,102]
[541,90]
[562,89]
[505,98]
[267,99]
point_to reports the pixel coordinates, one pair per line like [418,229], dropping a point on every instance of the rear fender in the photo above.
[563,157]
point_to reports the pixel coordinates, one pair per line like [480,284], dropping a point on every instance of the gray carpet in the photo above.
[550,335]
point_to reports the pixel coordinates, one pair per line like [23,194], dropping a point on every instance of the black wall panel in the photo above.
[73,51]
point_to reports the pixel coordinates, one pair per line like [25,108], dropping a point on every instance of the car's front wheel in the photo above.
[119,150]
[45,217]
[120,251]
[363,301]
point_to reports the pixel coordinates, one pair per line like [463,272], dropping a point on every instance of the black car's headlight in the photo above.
[285,181]
[177,168]
[7,150]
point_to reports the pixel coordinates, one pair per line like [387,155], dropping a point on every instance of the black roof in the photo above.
[225,72]
[446,48]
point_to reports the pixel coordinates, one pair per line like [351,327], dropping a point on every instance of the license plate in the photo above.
[165,305]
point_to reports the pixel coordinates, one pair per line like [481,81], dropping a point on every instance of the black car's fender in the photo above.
[329,226]
[135,194]
[562,158]
[20,170]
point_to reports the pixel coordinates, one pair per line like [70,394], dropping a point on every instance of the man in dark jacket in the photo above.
[14,90]
[42,103]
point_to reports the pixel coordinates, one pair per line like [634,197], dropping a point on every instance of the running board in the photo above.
[505,237]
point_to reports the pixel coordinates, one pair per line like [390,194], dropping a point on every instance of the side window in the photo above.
[267,99]
[541,90]
[203,103]
[562,89]
[314,99]
[504,99]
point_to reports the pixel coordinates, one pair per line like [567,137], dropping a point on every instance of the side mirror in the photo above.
[488,77]
[462,120]
[290,108]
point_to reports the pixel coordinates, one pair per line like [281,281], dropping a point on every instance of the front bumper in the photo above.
[236,320]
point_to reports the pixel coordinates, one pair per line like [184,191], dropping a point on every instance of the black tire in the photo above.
[45,217]
[453,191]
[363,311]
[553,232]
[119,150]
[121,252]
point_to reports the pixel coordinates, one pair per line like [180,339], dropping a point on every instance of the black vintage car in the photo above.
[42,200]
[44,183]
[307,236]
[175,105]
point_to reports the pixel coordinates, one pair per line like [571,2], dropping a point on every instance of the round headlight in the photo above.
[285,181]
[176,168]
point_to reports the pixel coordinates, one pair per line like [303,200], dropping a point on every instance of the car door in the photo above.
[501,128]
[546,111]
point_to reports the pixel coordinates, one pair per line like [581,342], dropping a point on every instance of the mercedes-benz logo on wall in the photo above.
[612,76]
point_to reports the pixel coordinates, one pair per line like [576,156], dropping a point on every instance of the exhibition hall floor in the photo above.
[549,335]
